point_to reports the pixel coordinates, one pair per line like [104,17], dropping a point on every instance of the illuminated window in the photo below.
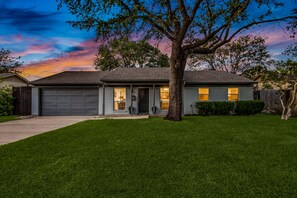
[164,98]
[233,94]
[119,98]
[203,94]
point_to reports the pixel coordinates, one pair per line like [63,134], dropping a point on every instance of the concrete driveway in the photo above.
[12,131]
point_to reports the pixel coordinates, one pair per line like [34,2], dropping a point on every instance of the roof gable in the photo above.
[8,75]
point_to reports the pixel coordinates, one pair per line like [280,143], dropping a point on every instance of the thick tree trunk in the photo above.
[177,67]
[290,106]
[283,105]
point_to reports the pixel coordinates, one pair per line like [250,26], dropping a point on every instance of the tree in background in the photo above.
[6,101]
[8,63]
[192,27]
[246,56]
[125,53]
[291,51]
[284,77]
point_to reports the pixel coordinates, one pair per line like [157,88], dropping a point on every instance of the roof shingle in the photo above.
[7,75]
[214,77]
[140,75]
[72,78]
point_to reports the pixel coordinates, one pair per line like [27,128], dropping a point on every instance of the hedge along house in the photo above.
[131,91]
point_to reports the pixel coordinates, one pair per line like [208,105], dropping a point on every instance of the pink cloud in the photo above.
[272,35]
[80,59]
[36,49]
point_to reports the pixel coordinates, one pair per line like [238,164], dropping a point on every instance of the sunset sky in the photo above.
[38,32]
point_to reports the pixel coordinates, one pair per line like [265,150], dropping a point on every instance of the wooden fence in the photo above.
[22,100]
[271,99]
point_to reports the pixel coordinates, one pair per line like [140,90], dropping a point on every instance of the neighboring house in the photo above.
[107,93]
[12,79]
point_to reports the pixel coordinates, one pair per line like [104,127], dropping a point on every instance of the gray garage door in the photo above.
[69,102]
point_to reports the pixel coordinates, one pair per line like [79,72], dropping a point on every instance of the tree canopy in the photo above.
[125,53]
[192,26]
[8,63]
[244,55]
[198,25]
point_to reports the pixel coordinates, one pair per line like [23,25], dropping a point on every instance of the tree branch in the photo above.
[150,16]
[183,10]
[213,48]
[195,8]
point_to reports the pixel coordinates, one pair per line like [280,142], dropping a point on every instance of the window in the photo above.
[164,98]
[233,94]
[119,98]
[203,94]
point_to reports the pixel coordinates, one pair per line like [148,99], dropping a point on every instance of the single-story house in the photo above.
[143,90]
[12,79]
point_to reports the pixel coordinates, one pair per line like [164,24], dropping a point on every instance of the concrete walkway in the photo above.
[12,131]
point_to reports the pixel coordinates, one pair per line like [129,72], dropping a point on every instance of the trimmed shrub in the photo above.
[223,108]
[214,108]
[204,108]
[249,107]
[6,101]
[226,108]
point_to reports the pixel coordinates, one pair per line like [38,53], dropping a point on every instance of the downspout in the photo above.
[98,100]
[103,100]
[131,98]
[154,98]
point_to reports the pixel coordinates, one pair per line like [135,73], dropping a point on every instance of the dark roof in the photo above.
[125,75]
[7,75]
[72,78]
[214,77]
[138,75]
[162,75]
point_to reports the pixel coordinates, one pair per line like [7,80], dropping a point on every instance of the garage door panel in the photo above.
[70,101]
[91,98]
[78,111]
[92,104]
[49,98]
[49,111]
[77,105]
[77,92]
[63,105]
[65,98]
[78,97]
[91,92]
[62,92]
[49,92]
[63,109]
[50,104]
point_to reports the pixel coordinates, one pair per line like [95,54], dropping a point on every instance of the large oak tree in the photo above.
[192,26]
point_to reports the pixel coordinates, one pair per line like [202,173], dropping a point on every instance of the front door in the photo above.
[143,96]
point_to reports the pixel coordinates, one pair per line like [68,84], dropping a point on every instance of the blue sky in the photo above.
[38,32]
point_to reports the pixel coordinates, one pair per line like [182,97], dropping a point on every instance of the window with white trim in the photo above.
[119,99]
[203,94]
[164,98]
[233,94]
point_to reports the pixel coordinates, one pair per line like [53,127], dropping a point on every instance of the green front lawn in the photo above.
[8,118]
[198,157]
